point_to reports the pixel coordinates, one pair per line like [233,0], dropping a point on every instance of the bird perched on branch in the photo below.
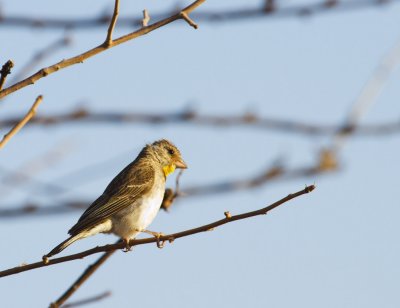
[132,199]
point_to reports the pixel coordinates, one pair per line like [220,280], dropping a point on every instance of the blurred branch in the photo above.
[326,163]
[82,278]
[247,119]
[40,56]
[24,173]
[164,238]
[170,195]
[21,123]
[89,300]
[101,48]
[270,10]
[368,96]
[5,71]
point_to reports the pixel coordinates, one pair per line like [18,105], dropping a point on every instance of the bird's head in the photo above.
[169,156]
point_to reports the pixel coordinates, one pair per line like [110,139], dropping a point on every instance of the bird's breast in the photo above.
[140,214]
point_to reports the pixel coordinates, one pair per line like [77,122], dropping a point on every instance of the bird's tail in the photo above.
[60,247]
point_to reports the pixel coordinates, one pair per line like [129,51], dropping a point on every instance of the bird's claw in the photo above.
[160,244]
[127,246]
[157,235]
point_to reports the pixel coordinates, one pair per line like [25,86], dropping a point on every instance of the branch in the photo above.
[85,275]
[5,71]
[266,11]
[327,162]
[171,237]
[21,124]
[92,52]
[247,119]
[109,41]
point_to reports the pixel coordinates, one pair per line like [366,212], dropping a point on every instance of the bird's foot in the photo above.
[157,235]
[128,247]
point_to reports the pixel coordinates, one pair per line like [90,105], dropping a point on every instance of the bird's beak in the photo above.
[180,164]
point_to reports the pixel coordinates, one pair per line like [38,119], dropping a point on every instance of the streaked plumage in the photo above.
[132,199]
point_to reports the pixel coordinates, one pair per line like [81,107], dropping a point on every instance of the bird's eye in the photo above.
[171,152]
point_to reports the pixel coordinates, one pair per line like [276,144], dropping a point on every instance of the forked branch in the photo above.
[101,48]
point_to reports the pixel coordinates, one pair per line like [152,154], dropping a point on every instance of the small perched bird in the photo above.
[132,199]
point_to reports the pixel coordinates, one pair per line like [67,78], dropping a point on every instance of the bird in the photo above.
[131,200]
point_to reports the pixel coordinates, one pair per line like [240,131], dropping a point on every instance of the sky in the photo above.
[335,247]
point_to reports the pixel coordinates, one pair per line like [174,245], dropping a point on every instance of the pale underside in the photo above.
[133,219]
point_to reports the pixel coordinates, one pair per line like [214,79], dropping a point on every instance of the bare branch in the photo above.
[269,10]
[5,71]
[92,52]
[82,278]
[163,238]
[326,163]
[251,120]
[113,21]
[21,123]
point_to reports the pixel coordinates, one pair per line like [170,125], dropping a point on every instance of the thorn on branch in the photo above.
[146,18]
[188,19]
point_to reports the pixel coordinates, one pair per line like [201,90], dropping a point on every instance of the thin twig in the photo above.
[263,11]
[92,52]
[5,71]
[88,300]
[114,18]
[162,238]
[82,278]
[21,124]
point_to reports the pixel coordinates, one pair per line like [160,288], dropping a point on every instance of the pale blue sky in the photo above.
[337,247]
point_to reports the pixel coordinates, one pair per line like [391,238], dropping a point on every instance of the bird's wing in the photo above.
[129,185]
